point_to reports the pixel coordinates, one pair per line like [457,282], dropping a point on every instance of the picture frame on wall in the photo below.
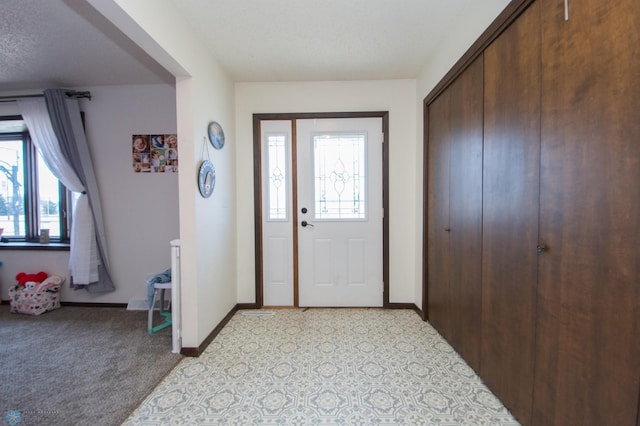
[155,153]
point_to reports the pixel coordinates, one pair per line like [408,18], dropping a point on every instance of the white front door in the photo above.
[339,201]
[330,172]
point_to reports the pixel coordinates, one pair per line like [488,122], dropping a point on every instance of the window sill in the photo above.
[26,245]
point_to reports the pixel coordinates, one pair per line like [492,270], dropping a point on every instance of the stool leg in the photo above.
[150,315]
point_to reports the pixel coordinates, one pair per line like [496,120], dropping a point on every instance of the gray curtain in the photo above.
[67,125]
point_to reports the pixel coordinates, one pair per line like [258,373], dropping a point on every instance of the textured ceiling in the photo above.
[67,43]
[290,40]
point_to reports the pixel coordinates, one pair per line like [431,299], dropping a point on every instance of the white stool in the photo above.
[166,314]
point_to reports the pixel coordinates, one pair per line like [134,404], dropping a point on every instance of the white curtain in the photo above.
[84,257]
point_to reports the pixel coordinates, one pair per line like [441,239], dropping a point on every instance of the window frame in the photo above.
[31,197]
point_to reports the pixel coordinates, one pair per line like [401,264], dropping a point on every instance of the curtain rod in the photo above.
[70,93]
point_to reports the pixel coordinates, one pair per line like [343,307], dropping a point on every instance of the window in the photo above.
[339,176]
[277,163]
[31,198]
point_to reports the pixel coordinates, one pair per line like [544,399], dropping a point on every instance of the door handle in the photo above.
[304,224]
[540,248]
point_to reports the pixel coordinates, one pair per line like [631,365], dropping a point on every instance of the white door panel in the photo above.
[340,249]
[277,223]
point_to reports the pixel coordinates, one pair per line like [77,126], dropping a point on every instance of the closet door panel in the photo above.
[588,358]
[465,212]
[439,138]
[510,212]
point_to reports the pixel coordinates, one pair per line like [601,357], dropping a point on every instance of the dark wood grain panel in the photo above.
[437,198]
[465,212]
[510,13]
[510,212]
[588,340]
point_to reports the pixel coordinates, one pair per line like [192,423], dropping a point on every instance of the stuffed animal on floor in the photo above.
[30,280]
[35,294]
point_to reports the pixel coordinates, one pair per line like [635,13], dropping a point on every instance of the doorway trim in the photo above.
[257,195]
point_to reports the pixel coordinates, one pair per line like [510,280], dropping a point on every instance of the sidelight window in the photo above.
[277,164]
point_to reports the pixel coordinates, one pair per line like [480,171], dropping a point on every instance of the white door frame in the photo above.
[257,178]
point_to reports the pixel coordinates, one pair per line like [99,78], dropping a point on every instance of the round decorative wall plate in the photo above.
[216,135]
[206,178]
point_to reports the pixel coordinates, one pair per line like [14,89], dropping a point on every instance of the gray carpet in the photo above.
[79,365]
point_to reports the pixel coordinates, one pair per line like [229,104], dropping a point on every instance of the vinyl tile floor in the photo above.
[324,367]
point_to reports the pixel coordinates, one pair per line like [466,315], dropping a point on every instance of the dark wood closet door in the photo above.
[588,322]
[465,213]
[510,212]
[439,138]
[454,213]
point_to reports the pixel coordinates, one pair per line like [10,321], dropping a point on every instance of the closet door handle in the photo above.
[540,248]
[447,229]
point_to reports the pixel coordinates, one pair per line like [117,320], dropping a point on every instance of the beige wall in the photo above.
[397,97]
[203,93]
[140,212]
[217,233]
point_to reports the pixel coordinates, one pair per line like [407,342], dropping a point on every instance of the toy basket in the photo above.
[38,299]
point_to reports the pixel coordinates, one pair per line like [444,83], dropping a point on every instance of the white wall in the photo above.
[217,233]
[397,97]
[458,39]
[140,210]
[203,93]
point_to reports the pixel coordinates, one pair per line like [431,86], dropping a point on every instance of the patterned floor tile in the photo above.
[324,367]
